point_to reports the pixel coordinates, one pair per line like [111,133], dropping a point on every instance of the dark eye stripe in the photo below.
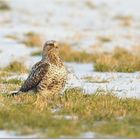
[51,44]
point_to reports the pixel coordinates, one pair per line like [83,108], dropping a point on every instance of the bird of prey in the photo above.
[49,74]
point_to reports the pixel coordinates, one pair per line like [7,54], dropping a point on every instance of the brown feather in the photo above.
[38,72]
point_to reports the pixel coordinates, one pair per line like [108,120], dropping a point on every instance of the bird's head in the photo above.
[50,47]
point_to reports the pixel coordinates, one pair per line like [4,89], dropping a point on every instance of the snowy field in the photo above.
[79,23]
[82,24]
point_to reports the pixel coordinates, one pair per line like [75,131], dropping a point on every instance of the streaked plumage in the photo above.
[49,74]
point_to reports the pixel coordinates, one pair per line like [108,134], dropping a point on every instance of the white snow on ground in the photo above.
[88,135]
[121,84]
[11,50]
[80,23]
[76,22]
[6,134]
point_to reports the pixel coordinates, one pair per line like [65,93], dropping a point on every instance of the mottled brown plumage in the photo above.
[49,74]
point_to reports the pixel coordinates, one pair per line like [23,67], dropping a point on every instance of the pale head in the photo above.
[50,47]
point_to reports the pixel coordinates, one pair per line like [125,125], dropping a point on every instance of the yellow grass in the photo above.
[32,40]
[4,6]
[70,55]
[16,66]
[120,60]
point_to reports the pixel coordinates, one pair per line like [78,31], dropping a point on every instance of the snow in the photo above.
[80,25]
[120,84]
[12,50]
[77,23]
[88,135]
[6,134]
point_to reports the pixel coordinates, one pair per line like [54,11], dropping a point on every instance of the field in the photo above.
[101,52]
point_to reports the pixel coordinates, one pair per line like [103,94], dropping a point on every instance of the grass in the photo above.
[13,37]
[12,81]
[3,76]
[4,73]
[16,66]
[7,81]
[120,60]
[4,6]
[36,53]
[32,40]
[105,39]
[104,114]
[125,21]
[94,80]
[70,55]
[90,5]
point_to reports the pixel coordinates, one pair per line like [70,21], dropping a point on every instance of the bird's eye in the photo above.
[51,44]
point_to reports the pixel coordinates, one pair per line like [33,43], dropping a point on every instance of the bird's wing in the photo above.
[38,72]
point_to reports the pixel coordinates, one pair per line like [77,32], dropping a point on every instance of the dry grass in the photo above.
[16,66]
[32,40]
[136,50]
[7,81]
[12,81]
[120,60]
[94,80]
[14,37]
[121,17]
[4,6]
[90,5]
[36,53]
[3,76]
[125,21]
[70,55]
[105,39]
[104,114]
[67,115]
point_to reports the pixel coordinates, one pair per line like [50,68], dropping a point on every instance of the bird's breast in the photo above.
[54,79]
[55,70]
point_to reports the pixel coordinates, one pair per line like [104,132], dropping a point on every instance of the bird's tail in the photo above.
[14,93]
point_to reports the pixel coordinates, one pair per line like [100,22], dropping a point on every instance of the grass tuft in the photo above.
[90,5]
[125,21]
[13,37]
[12,81]
[105,39]
[4,6]
[94,80]
[120,60]
[36,53]
[16,66]
[32,40]
[70,55]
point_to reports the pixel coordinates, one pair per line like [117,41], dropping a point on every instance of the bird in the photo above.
[47,75]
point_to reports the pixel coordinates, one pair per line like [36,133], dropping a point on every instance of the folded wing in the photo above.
[38,72]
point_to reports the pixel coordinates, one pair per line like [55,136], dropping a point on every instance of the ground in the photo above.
[89,32]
